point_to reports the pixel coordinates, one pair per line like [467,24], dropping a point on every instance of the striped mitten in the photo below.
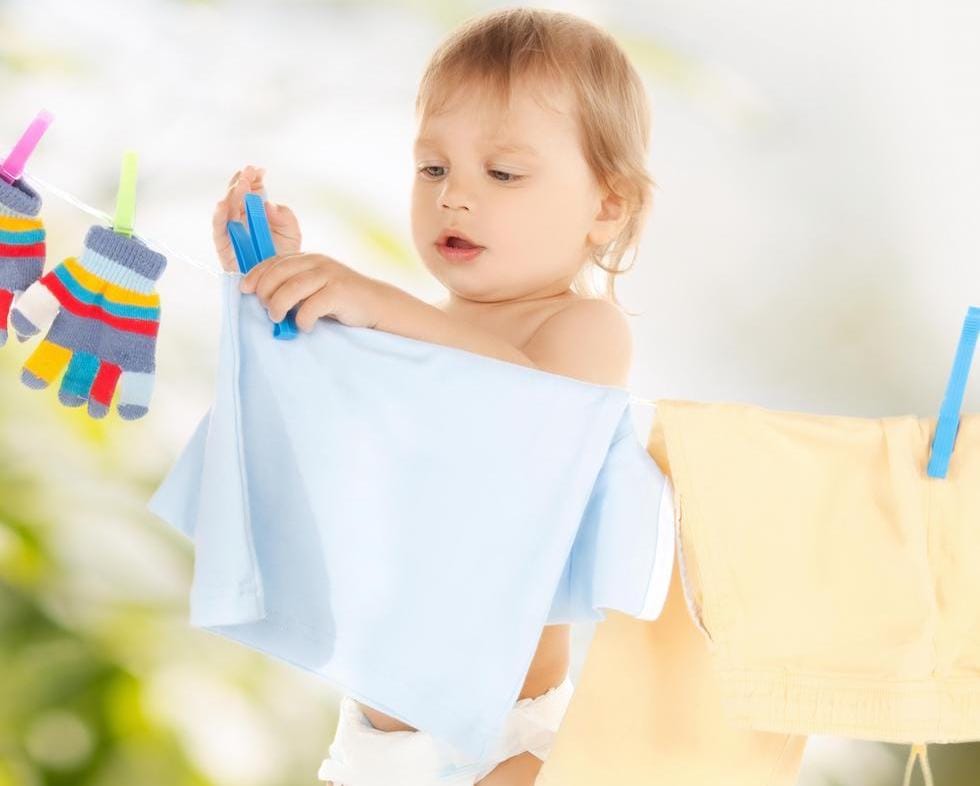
[106,316]
[22,244]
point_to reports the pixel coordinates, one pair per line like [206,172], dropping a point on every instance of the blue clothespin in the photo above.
[256,246]
[949,416]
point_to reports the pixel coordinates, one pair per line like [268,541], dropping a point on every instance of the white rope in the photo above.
[108,220]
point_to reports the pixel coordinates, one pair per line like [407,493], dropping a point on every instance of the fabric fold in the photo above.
[402,518]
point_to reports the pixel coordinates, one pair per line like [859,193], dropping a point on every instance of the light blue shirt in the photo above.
[402,518]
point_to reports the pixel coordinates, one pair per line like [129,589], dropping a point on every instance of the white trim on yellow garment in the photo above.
[663,561]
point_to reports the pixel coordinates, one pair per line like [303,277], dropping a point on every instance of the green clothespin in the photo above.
[126,197]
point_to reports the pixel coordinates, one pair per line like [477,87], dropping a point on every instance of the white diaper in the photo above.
[361,755]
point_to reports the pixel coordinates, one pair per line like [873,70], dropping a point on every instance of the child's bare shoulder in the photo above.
[588,338]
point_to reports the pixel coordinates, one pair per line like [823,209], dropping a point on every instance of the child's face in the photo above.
[532,211]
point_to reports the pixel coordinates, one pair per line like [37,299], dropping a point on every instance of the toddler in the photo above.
[529,171]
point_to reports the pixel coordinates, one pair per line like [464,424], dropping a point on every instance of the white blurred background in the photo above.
[812,246]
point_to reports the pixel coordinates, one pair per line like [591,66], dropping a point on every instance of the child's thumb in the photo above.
[284,214]
[282,218]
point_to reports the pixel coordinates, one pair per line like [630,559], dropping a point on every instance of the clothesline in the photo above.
[163,247]
[168,252]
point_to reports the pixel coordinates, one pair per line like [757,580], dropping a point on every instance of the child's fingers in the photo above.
[219,219]
[222,242]
[233,202]
[275,213]
[284,226]
[258,186]
[229,208]
[252,177]
[248,173]
[248,180]
[232,208]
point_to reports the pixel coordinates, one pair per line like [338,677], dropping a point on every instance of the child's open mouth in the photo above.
[456,249]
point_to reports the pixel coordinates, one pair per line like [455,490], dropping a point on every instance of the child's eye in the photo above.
[425,168]
[512,177]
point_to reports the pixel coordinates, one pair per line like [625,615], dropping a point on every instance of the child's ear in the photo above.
[611,218]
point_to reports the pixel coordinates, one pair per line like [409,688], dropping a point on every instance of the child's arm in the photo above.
[590,339]
[406,315]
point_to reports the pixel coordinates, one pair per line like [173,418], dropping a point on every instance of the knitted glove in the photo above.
[22,247]
[106,316]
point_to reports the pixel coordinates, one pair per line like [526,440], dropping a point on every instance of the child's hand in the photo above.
[283,225]
[328,288]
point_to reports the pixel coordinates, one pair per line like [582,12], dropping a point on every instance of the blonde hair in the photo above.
[613,117]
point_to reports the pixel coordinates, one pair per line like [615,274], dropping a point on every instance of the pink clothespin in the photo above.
[13,167]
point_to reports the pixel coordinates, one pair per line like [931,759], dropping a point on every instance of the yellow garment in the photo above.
[835,584]
[647,711]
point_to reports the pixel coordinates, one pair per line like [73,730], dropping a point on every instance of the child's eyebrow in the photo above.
[515,147]
[502,147]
